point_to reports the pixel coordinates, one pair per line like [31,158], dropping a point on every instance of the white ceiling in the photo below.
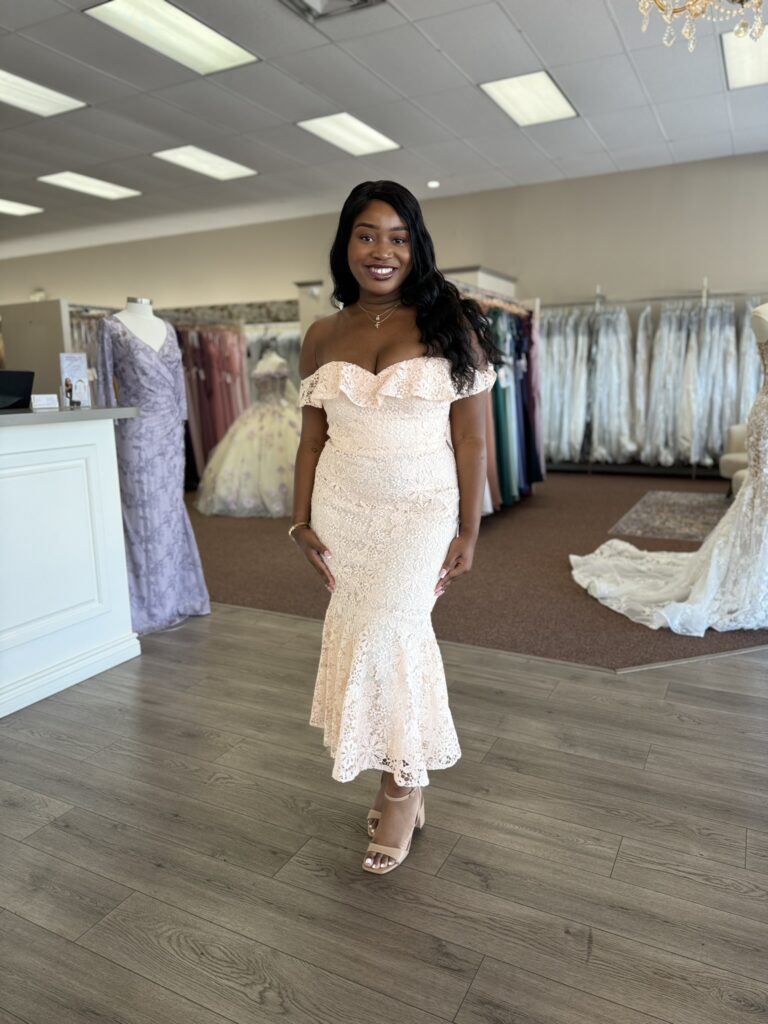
[410,68]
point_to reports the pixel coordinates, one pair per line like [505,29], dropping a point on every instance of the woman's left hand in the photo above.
[458,561]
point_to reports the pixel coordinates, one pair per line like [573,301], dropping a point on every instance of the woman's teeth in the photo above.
[381,272]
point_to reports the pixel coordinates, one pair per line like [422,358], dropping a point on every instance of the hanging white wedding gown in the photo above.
[723,585]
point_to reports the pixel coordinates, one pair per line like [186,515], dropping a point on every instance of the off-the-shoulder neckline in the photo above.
[364,369]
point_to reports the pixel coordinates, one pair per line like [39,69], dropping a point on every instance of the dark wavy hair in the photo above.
[446,319]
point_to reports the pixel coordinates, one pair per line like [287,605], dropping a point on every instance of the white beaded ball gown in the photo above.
[250,471]
[723,585]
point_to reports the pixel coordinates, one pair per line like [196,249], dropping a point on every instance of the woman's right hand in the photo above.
[314,550]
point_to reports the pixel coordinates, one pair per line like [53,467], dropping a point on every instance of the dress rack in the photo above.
[489,299]
[600,303]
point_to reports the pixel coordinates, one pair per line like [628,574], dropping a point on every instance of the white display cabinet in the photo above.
[64,608]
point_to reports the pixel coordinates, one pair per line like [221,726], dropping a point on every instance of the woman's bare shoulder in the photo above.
[318,335]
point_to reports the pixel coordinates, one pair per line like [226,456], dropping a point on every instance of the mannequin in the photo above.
[141,321]
[139,352]
[760,323]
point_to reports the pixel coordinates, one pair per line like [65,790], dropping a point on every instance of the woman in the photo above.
[389,480]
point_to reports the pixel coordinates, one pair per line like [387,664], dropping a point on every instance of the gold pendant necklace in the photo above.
[378,318]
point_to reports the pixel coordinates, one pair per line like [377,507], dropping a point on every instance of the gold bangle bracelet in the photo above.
[295,527]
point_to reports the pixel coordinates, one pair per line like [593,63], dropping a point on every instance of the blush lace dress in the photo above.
[385,503]
[723,585]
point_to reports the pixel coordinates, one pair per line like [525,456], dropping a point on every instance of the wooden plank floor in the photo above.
[175,850]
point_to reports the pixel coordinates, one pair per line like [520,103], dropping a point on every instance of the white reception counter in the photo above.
[64,608]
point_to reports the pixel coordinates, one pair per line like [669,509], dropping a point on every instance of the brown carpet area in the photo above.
[519,597]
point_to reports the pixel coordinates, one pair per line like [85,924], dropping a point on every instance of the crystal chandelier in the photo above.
[712,10]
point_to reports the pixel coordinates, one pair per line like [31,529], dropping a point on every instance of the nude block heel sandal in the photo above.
[398,854]
[373,816]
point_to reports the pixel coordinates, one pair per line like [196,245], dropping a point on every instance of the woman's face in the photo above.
[379,252]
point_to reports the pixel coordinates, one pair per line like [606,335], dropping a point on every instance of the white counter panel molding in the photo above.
[64,609]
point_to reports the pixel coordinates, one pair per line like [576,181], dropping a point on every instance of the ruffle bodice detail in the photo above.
[425,377]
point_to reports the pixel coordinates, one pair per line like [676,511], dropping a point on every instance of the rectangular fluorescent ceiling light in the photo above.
[746,60]
[18,209]
[349,134]
[203,162]
[91,186]
[530,99]
[172,32]
[18,92]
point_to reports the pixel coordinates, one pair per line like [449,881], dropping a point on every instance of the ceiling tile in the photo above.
[265,29]
[36,193]
[483,42]
[298,144]
[465,111]
[335,74]
[452,158]
[459,184]
[42,223]
[107,50]
[702,147]
[565,138]
[77,5]
[566,33]
[166,119]
[246,150]
[515,154]
[673,73]
[586,164]
[751,140]
[361,23]
[62,146]
[55,71]
[403,120]
[600,85]
[627,129]
[117,128]
[17,162]
[143,172]
[336,178]
[223,107]
[11,117]
[400,165]
[703,115]
[200,193]
[15,15]
[645,156]
[276,91]
[404,59]
[749,107]
[416,9]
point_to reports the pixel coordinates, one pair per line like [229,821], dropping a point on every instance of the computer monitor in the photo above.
[15,389]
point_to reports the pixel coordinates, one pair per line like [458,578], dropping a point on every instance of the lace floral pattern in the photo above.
[723,585]
[385,503]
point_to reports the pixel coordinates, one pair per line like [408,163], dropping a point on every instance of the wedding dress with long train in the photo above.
[723,585]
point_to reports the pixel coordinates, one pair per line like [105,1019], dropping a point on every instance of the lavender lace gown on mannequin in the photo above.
[165,577]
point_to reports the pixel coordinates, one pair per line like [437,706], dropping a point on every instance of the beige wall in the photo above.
[651,232]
